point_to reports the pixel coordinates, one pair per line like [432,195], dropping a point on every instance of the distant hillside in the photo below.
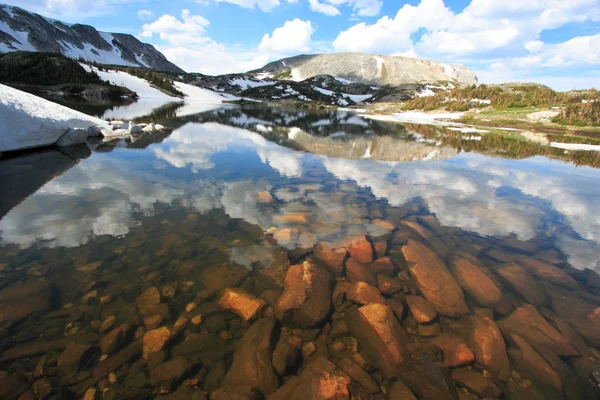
[367,68]
[23,30]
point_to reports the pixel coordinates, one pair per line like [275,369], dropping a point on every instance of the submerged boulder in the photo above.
[306,298]
[434,280]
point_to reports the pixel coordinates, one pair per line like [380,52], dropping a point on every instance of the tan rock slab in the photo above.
[420,309]
[359,248]
[331,257]
[489,347]
[363,293]
[155,340]
[476,281]
[523,283]
[455,350]
[242,303]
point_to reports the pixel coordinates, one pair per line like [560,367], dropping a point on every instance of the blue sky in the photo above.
[556,42]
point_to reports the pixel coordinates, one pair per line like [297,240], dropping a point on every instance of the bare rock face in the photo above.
[378,332]
[360,249]
[527,322]
[489,347]
[547,272]
[421,310]
[252,363]
[476,281]
[242,303]
[434,280]
[456,351]
[306,298]
[331,257]
[523,283]
[319,380]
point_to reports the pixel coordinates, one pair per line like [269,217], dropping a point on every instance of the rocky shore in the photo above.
[417,311]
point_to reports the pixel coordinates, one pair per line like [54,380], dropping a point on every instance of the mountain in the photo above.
[367,68]
[23,30]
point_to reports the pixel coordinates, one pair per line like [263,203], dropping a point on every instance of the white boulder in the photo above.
[133,128]
[72,137]
[28,121]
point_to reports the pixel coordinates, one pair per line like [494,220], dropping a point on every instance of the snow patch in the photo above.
[576,146]
[21,36]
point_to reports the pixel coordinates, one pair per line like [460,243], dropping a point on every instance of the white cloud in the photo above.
[534,46]
[294,36]
[145,14]
[323,8]
[363,8]
[264,5]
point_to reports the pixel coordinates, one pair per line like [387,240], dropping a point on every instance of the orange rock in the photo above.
[149,297]
[476,281]
[360,249]
[476,382]
[319,380]
[523,283]
[291,218]
[388,285]
[384,265]
[380,248]
[489,347]
[242,303]
[381,336]
[421,310]
[384,224]
[530,364]
[456,351]
[331,257]
[436,243]
[434,280]
[363,293]
[547,272]
[155,340]
[265,197]
[306,298]
[527,322]
[359,272]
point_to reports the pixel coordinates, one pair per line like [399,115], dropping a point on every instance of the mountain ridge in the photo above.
[368,68]
[28,31]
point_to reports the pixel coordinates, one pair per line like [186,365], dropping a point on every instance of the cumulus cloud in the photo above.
[293,36]
[323,8]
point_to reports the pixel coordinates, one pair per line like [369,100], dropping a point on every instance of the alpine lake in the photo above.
[253,252]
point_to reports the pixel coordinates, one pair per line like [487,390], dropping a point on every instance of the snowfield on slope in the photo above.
[28,121]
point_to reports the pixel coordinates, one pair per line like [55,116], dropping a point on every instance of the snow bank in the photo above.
[416,117]
[576,146]
[28,121]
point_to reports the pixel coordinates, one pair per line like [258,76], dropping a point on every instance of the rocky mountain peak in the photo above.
[23,30]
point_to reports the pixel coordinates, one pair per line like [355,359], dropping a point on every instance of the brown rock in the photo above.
[363,293]
[74,356]
[429,330]
[155,340]
[434,280]
[547,272]
[114,339]
[319,380]
[358,272]
[456,351]
[242,303]
[381,336]
[428,381]
[384,265]
[169,372]
[489,347]
[360,249]
[420,308]
[380,248]
[220,277]
[355,372]
[576,311]
[388,285]
[476,281]
[285,356]
[149,297]
[399,391]
[306,298]
[530,364]
[252,362]
[330,257]
[235,393]
[475,382]
[20,300]
[523,283]
[527,322]
[434,241]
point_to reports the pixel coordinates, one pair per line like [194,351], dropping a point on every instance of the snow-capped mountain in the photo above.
[368,68]
[23,30]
